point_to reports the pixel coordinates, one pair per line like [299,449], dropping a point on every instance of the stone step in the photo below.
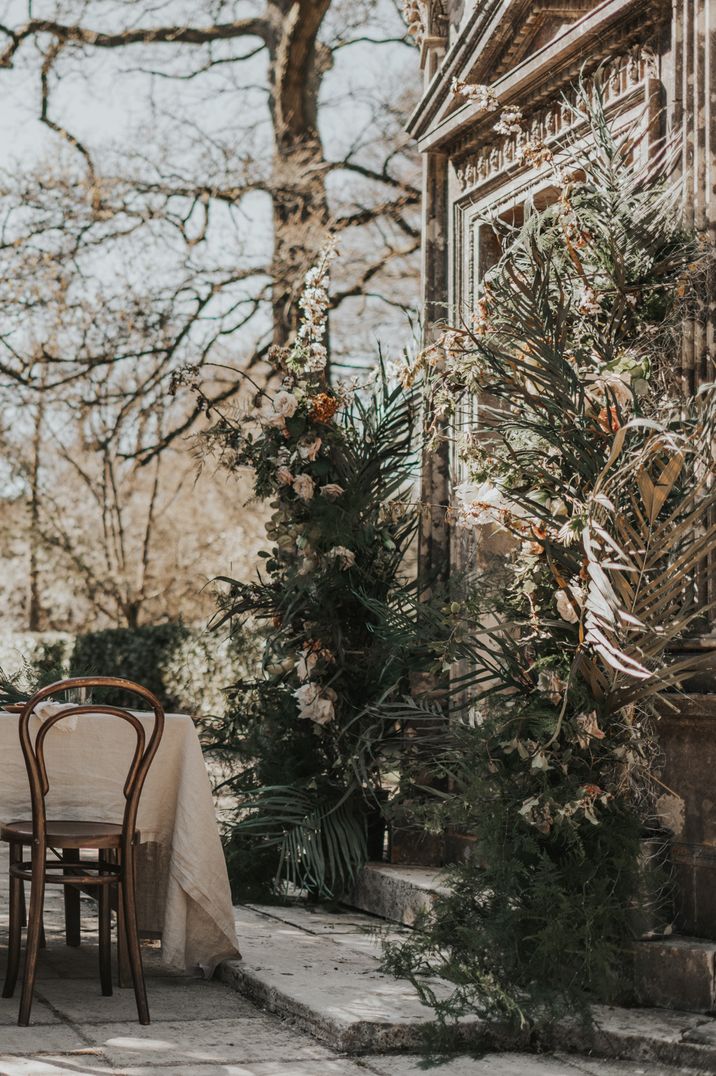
[676,973]
[320,970]
[396,892]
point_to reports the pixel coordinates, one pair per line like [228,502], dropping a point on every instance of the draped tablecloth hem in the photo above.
[200,908]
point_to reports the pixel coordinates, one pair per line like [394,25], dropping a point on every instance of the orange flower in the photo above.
[323,407]
[608,419]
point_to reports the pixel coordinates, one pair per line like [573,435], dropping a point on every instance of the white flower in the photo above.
[331,490]
[307,661]
[480,95]
[346,557]
[285,403]
[510,121]
[315,704]
[284,477]
[304,487]
[308,449]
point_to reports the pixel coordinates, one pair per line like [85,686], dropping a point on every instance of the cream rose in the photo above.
[285,404]
[331,490]
[304,487]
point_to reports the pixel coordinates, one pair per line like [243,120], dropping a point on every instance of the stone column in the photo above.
[408,845]
[434,538]
[693,112]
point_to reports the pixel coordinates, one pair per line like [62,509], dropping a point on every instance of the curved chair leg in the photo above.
[124,972]
[105,933]
[17,911]
[72,901]
[132,933]
[34,931]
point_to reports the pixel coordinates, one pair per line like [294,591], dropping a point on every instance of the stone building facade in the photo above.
[658,60]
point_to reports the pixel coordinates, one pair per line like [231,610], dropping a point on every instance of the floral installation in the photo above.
[301,741]
[596,474]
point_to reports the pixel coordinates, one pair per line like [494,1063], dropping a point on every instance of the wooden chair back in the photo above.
[34,750]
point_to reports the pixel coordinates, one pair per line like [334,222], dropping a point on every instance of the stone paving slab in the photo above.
[327,986]
[79,1001]
[199,1041]
[331,985]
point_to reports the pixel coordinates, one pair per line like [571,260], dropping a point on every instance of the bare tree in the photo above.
[185,237]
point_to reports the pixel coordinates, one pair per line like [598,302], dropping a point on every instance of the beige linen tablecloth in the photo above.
[183,887]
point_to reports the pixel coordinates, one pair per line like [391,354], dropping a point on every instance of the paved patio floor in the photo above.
[198,1028]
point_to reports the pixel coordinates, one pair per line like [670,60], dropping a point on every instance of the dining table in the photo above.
[183,891]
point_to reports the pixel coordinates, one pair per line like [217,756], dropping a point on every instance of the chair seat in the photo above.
[66,834]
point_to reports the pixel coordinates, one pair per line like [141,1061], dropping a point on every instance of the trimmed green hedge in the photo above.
[141,654]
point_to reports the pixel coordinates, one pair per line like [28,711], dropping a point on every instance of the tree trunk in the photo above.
[300,204]
[35,616]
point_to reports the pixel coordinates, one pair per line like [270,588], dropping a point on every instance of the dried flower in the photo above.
[551,686]
[307,661]
[613,387]
[315,703]
[588,728]
[346,558]
[304,487]
[323,407]
[566,599]
[331,490]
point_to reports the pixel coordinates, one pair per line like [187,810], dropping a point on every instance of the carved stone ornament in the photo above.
[426,19]
[624,74]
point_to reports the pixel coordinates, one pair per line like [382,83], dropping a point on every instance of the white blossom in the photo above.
[510,121]
[314,303]
[481,503]
[480,95]
[586,300]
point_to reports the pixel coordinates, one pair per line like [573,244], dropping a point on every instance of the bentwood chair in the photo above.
[114,844]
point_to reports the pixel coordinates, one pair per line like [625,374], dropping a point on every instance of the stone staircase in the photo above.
[320,969]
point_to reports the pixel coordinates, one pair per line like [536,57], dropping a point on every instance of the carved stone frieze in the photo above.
[622,76]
